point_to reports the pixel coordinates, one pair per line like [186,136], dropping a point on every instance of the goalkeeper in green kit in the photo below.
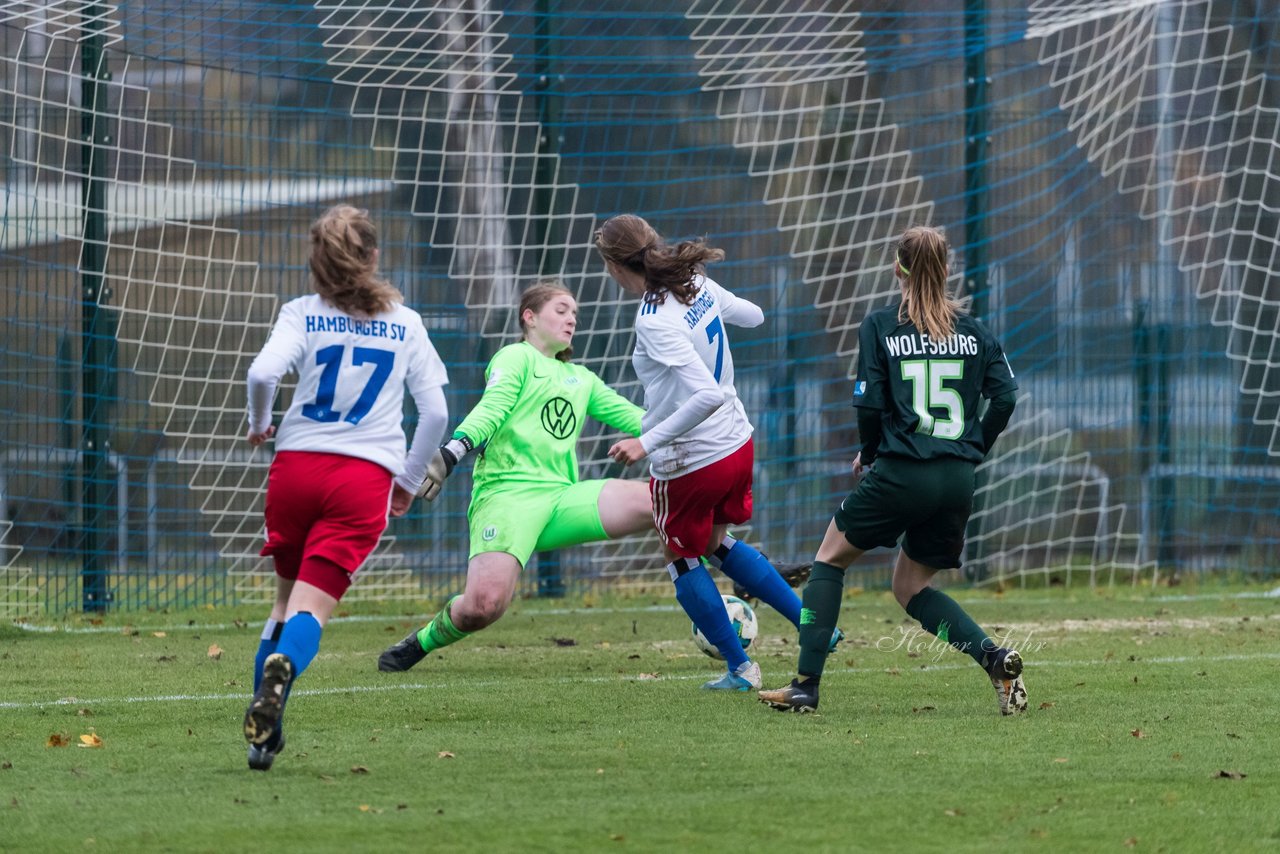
[527,497]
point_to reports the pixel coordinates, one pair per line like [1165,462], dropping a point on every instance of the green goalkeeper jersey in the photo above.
[531,414]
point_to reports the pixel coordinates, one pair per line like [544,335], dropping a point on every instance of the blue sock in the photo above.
[300,640]
[697,594]
[267,645]
[753,571]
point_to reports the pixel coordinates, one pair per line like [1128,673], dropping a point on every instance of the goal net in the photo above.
[1116,228]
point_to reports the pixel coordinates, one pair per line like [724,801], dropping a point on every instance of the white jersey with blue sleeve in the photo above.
[693,417]
[352,373]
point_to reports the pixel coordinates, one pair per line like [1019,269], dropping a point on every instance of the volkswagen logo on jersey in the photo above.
[558,418]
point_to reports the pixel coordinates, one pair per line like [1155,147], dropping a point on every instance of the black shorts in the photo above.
[925,503]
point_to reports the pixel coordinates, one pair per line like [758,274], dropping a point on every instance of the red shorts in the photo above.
[327,506]
[686,508]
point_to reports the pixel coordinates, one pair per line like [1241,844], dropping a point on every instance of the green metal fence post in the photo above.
[97,336]
[975,202]
[550,256]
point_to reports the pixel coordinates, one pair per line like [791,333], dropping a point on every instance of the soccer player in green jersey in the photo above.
[923,369]
[526,495]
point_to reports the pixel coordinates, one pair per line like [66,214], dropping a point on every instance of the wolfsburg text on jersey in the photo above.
[923,345]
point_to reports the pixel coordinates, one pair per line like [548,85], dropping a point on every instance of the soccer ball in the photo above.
[744,623]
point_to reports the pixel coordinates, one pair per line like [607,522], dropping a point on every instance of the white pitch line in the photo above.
[565,680]
[850,603]
[359,618]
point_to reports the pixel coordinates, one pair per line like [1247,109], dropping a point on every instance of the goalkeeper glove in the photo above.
[441,466]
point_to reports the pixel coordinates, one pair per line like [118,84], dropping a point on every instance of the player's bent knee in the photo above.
[480,610]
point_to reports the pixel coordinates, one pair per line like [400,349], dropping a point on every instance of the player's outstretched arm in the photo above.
[737,311]
[609,407]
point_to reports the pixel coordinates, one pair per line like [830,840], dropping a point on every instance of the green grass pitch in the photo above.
[579,726]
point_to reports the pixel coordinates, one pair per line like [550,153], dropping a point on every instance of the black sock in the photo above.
[820,608]
[942,616]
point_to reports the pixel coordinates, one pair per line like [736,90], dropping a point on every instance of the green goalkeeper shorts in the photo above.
[523,519]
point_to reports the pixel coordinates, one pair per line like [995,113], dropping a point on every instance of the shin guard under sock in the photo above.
[821,609]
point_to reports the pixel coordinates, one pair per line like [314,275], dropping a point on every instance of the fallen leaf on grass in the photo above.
[1229,775]
[445,754]
[359,769]
[57,739]
[952,813]
[1137,733]
[215,651]
[1046,706]
[1130,842]
[89,740]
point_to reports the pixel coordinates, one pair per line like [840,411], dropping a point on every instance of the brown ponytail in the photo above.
[344,264]
[631,243]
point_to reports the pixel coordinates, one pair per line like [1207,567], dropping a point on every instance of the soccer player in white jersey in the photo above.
[695,432]
[340,464]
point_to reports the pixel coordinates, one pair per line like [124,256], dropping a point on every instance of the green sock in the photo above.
[819,610]
[440,631]
[942,616]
